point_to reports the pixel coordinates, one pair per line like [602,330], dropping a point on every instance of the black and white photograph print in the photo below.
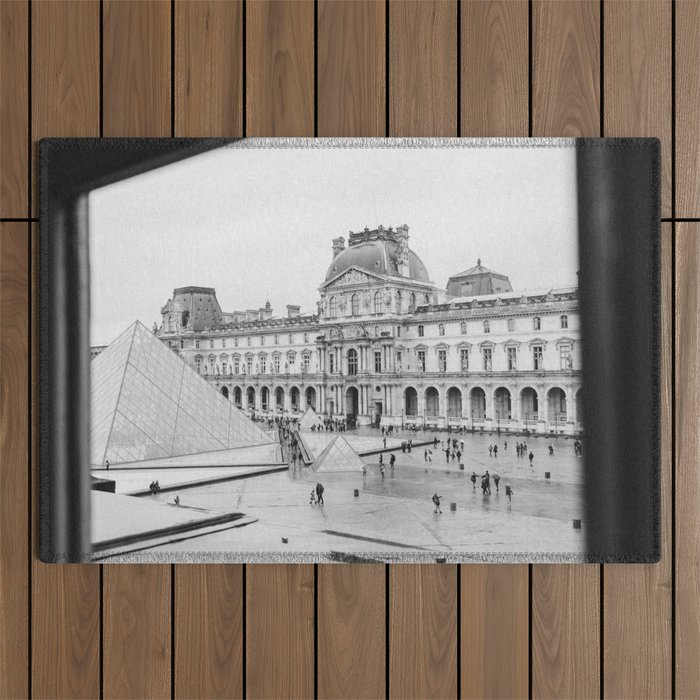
[339,350]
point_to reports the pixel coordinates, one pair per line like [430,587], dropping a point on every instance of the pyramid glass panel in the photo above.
[146,403]
[338,457]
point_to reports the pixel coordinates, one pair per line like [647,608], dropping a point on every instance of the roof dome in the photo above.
[379,257]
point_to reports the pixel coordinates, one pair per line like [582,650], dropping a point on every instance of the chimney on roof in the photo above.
[338,246]
[293,311]
[402,263]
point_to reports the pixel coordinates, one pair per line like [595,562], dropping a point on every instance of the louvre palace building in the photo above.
[388,347]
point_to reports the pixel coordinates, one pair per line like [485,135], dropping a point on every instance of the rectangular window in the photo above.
[398,359]
[565,361]
[263,364]
[249,365]
[291,339]
[262,340]
[306,337]
[235,342]
[305,362]
[276,363]
[249,340]
[224,368]
[538,356]
[421,360]
[421,330]
[331,362]
[512,358]
[291,360]
[377,360]
[488,359]
[277,340]
[211,343]
[464,359]
[236,365]
[442,360]
[198,364]
[196,344]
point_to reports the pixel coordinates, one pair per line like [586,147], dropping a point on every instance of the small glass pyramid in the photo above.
[338,456]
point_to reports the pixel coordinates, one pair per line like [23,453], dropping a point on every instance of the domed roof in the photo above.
[379,257]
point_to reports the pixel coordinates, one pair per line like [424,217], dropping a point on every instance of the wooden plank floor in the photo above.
[351,68]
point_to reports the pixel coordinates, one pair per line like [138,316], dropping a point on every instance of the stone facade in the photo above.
[387,346]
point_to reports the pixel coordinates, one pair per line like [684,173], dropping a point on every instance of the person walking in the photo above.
[496,479]
[364,472]
[490,450]
[495,450]
[436,501]
[447,454]
[473,480]
[509,492]
[531,456]
[319,493]
[107,464]
[426,455]
[488,481]
[392,461]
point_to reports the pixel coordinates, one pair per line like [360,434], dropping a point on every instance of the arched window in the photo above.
[564,319]
[355,305]
[421,331]
[426,299]
[536,323]
[377,302]
[332,307]
[412,303]
[511,324]
[463,328]
[487,326]
[441,329]
[399,301]
[352,361]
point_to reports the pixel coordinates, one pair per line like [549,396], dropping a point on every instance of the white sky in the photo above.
[258,223]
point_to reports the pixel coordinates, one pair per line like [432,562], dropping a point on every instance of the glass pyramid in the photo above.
[309,418]
[146,403]
[338,457]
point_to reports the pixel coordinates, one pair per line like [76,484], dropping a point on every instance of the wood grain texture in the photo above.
[566,631]
[566,68]
[494,101]
[423,68]
[351,652]
[494,68]
[280,621]
[14,108]
[137,631]
[208,68]
[14,457]
[65,102]
[351,68]
[687,431]
[280,63]
[136,68]
[687,154]
[351,631]
[638,598]
[208,631]
[638,77]
[136,98]
[65,72]
[208,625]
[494,649]
[423,632]
[565,621]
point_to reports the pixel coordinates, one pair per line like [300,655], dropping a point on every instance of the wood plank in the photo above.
[280,63]
[494,68]
[136,631]
[280,621]
[208,631]
[65,102]
[208,626]
[423,102]
[687,182]
[638,77]
[423,633]
[14,457]
[208,68]
[687,427]
[279,598]
[423,68]
[566,68]
[565,621]
[351,98]
[494,653]
[351,631]
[565,631]
[495,599]
[637,598]
[351,68]
[14,108]
[136,68]
[136,97]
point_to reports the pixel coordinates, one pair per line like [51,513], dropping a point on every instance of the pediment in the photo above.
[352,276]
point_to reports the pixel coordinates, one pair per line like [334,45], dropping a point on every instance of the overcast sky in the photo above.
[258,223]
